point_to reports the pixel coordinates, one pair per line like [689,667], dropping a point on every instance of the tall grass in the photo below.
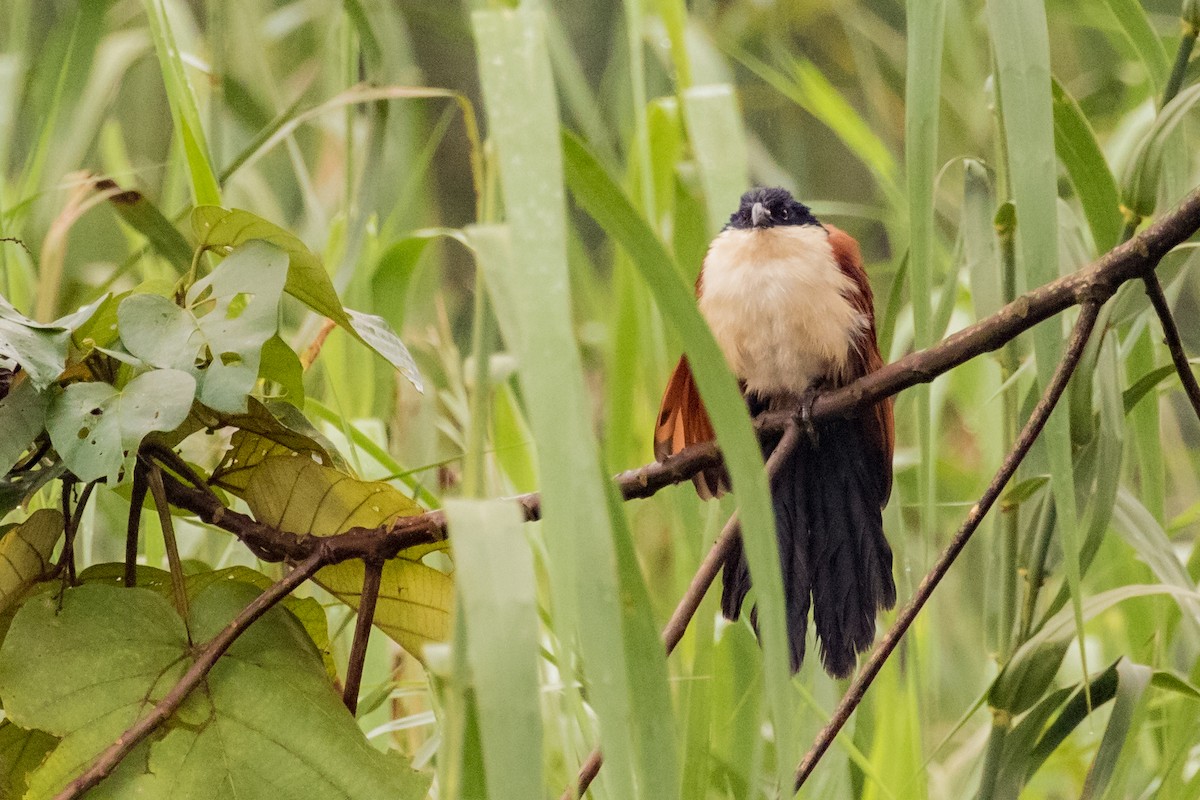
[541,277]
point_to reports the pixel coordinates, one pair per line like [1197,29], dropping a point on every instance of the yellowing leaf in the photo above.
[296,494]
[25,553]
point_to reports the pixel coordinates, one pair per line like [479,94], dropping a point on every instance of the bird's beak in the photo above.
[759,215]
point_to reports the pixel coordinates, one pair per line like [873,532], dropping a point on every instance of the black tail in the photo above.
[828,516]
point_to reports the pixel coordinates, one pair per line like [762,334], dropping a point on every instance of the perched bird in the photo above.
[790,306]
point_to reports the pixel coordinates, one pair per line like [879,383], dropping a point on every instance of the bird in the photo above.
[789,303]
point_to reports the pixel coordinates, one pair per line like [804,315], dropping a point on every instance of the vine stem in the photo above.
[887,644]
[206,658]
[1174,343]
[372,576]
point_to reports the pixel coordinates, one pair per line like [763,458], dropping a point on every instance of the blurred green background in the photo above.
[304,118]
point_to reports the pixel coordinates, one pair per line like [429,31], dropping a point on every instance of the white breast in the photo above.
[776,302]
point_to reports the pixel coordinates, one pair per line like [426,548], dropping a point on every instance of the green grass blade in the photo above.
[714,128]
[1132,680]
[1022,48]
[205,188]
[600,197]
[1136,27]
[926,21]
[1085,163]
[496,586]
[589,585]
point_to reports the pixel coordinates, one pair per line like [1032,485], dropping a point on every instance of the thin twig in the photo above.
[206,658]
[154,477]
[373,573]
[137,499]
[1033,427]
[1174,343]
[689,604]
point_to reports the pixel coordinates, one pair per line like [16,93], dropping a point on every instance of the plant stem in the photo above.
[373,572]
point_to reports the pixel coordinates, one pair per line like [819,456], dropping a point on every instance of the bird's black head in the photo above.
[768,208]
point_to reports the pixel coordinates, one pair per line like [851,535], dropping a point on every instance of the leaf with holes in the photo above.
[264,723]
[25,553]
[219,334]
[93,426]
[296,494]
[219,229]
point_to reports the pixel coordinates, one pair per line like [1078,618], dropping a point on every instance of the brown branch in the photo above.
[1033,427]
[373,573]
[1134,259]
[706,573]
[1174,343]
[206,658]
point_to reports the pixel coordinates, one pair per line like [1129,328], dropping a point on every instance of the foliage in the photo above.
[539,280]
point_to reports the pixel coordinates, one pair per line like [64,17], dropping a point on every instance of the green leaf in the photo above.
[86,673]
[1141,34]
[22,417]
[1131,686]
[1080,153]
[1025,677]
[219,334]
[1141,181]
[281,365]
[20,753]
[1144,385]
[41,350]
[94,426]
[219,229]
[25,551]
[296,494]
[145,218]
[497,589]
[275,429]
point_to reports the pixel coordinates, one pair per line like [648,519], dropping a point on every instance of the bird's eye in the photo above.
[783,214]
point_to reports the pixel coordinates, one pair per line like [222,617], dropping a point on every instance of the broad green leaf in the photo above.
[1080,153]
[41,350]
[296,494]
[94,426]
[265,722]
[221,229]
[261,434]
[497,589]
[25,551]
[601,198]
[280,364]
[219,334]
[145,218]
[21,751]
[22,417]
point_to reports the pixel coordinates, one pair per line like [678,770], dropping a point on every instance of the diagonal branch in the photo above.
[206,658]
[1174,343]
[1033,428]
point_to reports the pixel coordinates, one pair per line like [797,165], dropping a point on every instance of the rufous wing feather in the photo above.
[879,423]
[682,421]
